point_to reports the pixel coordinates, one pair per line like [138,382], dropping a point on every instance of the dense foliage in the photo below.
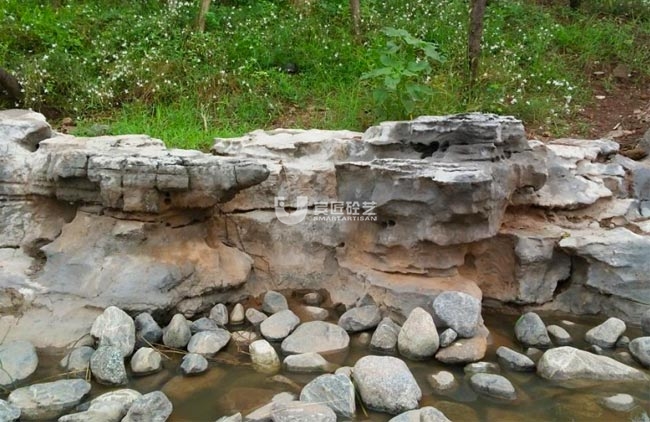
[140,66]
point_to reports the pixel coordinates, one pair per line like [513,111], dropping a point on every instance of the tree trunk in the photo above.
[355,11]
[9,83]
[205,6]
[476,16]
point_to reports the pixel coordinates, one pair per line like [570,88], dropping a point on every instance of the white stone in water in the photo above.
[219,314]
[146,361]
[265,358]
[193,363]
[237,315]
[8,412]
[208,342]
[442,381]
[279,325]
[493,385]
[619,402]
[306,362]
[559,335]
[606,334]
[111,406]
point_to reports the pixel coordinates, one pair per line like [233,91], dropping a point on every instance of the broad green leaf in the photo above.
[382,71]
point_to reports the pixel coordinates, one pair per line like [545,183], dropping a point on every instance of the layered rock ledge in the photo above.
[402,212]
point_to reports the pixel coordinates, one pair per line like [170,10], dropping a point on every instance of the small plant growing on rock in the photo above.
[401,80]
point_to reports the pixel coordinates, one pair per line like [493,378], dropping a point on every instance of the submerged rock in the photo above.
[306,362]
[316,336]
[265,358]
[619,402]
[531,331]
[458,311]
[493,385]
[514,360]
[567,363]
[193,363]
[386,384]
[334,391]
[108,407]
[606,334]
[49,400]
[442,381]
[360,318]
[296,411]
[19,361]
[77,360]
[116,328]
[559,335]
[418,337]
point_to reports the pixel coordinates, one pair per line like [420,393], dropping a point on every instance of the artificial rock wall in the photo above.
[461,203]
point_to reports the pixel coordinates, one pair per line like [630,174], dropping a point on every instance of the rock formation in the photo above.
[402,212]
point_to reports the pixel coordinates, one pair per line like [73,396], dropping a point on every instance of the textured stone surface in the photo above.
[274,302]
[316,336]
[606,334]
[152,407]
[428,414]
[559,335]
[146,361]
[459,311]
[203,324]
[568,363]
[8,412]
[254,316]
[208,342]
[386,384]
[640,349]
[306,362]
[418,337]
[48,400]
[219,314]
[108,407]
[193,363]
[265,358]
[493,385]
[514,360]
[279,325]
[107,366]
[297,411]
[442,381]
[619,402]
[360,318]
[116,328]
[19,361]
[237,315]
[531,331]
[384,339]
[177,334]
[77,360]
[146,328]
[334,391]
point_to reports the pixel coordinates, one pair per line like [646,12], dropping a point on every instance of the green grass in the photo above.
[141,68]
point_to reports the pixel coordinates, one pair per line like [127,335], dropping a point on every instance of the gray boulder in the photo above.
[316,336]
[109,407]
[177,334]
[146,328]
[8,412]
[360,319]
[203,324]
[386,384]
[19,361]
[237,316]
[279,325]
[49,400]
[334,391]
[531,331]
[193,363]
[116,328]
[493,385]
[254,316]
[606,334]
[418,338]
[640,349]
[645,323]
[107,365]
[424,414]
[559,335]
[463,350]
[146,361]
[306,362]
[77,360]
[219,314]
[265,358]
[296,411]
[447,337]
[208,343]
[567,363]
[274,302]
[458,311]
[152,407]
[515,360]
[384,339]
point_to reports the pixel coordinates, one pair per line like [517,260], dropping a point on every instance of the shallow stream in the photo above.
[231,385]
